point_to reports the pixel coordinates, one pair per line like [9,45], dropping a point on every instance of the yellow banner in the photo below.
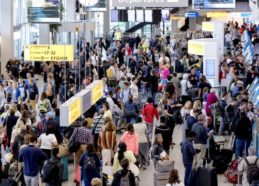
[217,14]
[175,17]
[208,27]
[74,111]
[49,53]
[196,48]
[97,91]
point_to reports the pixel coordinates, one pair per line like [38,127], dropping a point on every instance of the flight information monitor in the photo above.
[214,4]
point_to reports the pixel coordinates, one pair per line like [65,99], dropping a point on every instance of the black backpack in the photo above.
[89,163]
[252,171]
[50,171]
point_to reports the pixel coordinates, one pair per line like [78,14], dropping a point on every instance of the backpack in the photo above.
[43,106]
[125,180]
[50,171]
[215,109]
[252,171]
[177,117]
[89,163]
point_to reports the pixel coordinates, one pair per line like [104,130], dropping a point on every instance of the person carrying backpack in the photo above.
[249,166]
[90,165]
[124,177]
[52,170]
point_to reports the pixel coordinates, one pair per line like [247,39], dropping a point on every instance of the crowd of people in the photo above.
[151,85]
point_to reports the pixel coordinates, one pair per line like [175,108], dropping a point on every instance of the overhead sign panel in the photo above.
[196,48]
[214,4]
[44,11]
[49,53]
[150,3]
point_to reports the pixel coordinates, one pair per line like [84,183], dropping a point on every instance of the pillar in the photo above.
[44,34]
[174,26]
[70,10]
[106,19]
[192,23]
[6,26]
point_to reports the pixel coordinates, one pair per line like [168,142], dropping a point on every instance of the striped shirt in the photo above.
[98,123]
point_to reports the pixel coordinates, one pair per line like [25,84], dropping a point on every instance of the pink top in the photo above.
[165,73]
[132,141]
[211,99]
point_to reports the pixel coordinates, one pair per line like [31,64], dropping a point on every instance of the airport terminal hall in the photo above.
[129,92]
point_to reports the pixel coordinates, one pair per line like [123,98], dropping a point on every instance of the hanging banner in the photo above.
[49,53]
[196,48]
[43,11]
[150,3]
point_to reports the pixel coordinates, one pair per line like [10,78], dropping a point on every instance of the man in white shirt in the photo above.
[243,166]
[228,39]
[134,89]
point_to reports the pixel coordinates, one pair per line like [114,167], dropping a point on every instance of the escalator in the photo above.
[137,27]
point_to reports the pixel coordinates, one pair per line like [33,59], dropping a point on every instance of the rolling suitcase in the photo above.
[204,176]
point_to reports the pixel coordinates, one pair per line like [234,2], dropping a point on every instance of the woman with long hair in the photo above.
[185,112]
[174,179]
[107,141]
[121,154]
[47,141]
[131,139]
[90,165]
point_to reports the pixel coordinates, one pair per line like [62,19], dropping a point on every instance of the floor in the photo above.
[146,176]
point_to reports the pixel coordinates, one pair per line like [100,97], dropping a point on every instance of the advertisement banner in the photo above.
[150,3]
[49,53]
[43,11]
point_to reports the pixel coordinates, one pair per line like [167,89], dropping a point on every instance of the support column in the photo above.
[6,26]
[70,10]
[192,23]
[44,34]
[174,26]
[106,19]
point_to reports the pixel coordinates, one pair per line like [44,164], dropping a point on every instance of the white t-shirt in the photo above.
[184,82]
[47,141]
[134,91]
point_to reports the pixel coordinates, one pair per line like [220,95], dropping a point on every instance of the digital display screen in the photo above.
[114,16]
[214,4]
[131,16]
[165,15]
[140,15]
[210,68]
[148,16]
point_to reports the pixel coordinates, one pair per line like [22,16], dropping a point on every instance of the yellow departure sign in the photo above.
[49,53]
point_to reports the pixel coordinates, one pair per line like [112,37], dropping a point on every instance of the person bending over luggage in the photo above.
[124,176]
[200,140]
[248,176]
[158,152]
[52,170]
[188,153]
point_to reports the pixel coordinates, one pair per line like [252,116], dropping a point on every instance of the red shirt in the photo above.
[148,113]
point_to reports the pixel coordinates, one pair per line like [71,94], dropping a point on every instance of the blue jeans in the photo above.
[241,146]
[187,173]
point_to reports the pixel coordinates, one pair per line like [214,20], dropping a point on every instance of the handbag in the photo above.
[63,149]
[177,117]
[74,145]
[134,169]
